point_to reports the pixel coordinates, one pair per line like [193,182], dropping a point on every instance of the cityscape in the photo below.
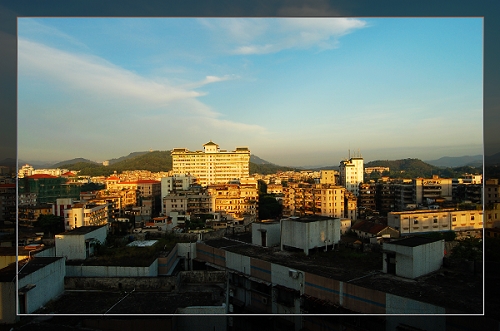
[208,236]
[349,180]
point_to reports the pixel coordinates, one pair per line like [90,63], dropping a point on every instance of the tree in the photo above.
[269,207]
[50,224]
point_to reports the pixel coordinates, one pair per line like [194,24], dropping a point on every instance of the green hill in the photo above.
[413,168]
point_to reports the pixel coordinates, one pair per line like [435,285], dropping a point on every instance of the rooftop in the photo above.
[450,287]
[82,230]
[414,241]
[26,267]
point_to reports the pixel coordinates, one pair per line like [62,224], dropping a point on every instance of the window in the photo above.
[435,220]
[415,221]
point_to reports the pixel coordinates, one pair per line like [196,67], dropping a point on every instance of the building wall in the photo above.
[435,220]
[112,271]
[212,166]
[413,262]
[49,282]
[307,235]
[272,233]
[238,262]
[399,305]
[347,295]
[73,247]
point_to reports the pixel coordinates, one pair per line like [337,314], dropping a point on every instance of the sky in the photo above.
[295,91]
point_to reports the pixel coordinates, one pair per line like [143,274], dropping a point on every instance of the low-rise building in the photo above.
[86,214]
[310,232]
[266,233]
[39,280]
[413,257]
[464,222]
[79,243]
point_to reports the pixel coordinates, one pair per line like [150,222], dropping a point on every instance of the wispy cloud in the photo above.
[275,35]
[102,91]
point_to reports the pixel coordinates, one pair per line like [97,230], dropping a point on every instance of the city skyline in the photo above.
[296,91]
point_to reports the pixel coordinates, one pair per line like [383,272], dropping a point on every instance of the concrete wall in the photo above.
[238,262]
[73,246]
[280,275]
[364,300]
[323,288]
[112,271]
[293,234]
[428,258]
[412,262]
[308,235]
[273,233]
[211,254]
[49,282]
[202,277]
[165,264]
[399,305]
[127,283]
[260,269]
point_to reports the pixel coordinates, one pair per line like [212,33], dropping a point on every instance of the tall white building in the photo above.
[351,173]
[212,165]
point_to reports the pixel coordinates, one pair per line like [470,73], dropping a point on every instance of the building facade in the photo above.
[463,222]
[86,214]
[236,200]
[212,165]
[318,199]
[351,174]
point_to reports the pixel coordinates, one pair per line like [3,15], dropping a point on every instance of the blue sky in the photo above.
[296,91]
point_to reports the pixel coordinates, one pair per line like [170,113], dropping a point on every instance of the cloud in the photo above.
[209,80]
[106,93]
[278,34]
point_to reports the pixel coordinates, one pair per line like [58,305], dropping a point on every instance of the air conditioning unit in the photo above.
[293,273]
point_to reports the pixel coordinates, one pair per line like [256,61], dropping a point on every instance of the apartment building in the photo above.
[318,199]
[85,214]
[351,174]
[329,177]
[234,199]
[464,222]
[188,202]
[49,188]
[430,189]
[212,165]
[141,193]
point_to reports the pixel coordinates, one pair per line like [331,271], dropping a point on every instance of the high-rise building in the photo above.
[212,165]
[351,173]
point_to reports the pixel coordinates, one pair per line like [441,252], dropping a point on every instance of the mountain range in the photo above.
[163,162]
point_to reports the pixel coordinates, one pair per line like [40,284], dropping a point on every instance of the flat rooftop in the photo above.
[414,241]
[449,287]
[82,230]
[8,273]
[132,302]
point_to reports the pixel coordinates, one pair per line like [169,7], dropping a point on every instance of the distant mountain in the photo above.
[257,160]
[130,156]
[63,164]
[452,162]
[403,164]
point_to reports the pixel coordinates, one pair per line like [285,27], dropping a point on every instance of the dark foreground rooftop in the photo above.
[454,287]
